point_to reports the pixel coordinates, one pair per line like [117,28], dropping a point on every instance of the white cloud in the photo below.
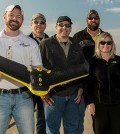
[101,1]
[97,2]
[114,9]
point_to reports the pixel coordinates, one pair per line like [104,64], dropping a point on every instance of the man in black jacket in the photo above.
[86,38]
[38,25]
[59,54]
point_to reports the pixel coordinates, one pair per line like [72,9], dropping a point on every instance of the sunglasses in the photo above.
[39,22]
[106,42]
[95,18]
[62,25]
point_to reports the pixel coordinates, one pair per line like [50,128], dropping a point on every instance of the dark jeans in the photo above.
[40,122]
[40,116]
[107,119]
[82,114]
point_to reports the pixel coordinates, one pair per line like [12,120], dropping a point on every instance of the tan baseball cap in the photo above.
[11,7]
[38,15]
[92,12]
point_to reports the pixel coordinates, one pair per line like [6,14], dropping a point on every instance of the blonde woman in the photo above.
[103,99]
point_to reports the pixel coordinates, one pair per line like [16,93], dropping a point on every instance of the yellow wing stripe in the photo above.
[41,93]
[25,84]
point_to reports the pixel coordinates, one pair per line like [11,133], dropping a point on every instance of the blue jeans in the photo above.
[63,108]
[20,106]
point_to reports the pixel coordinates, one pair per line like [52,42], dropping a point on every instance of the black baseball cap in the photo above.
[64,18]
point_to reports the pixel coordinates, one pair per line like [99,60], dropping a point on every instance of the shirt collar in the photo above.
[96,36]
[38,37]
[68,41]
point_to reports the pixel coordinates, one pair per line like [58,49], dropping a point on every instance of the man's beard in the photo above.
[93,27]
[13,25]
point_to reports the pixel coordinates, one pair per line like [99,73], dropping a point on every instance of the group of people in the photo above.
[90,48]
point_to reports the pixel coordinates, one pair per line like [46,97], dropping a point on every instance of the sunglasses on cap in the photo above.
[106,42]
[62,25]
[95,18]
[39,22]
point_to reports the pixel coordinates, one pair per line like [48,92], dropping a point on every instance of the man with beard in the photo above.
[15,98]
[86,38]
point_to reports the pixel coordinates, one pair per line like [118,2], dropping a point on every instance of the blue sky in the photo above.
[109,11]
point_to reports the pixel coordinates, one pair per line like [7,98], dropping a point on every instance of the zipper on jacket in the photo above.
[108,76]
[99,94]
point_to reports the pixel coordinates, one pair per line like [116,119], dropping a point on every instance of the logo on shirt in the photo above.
[114,62]
[86,43]
[24,45]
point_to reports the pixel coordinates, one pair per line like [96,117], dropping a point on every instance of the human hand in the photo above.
[79,95]
[91,108]
[47,100]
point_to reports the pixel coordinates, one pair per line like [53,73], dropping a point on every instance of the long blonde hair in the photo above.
[97,45]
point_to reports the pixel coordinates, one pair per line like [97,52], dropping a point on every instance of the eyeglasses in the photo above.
[106,42]
[95,18]
[39,22]
[62,25]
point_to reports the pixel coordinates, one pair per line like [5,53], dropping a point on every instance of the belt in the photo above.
[13,91]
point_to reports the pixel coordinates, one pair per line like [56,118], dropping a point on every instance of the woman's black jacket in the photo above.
[104,81]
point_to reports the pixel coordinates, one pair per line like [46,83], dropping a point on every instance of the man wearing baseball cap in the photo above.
[15,98]
[38,15]
[64,18]
[86,38]
[60,53]
[38,25]
[11,7]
